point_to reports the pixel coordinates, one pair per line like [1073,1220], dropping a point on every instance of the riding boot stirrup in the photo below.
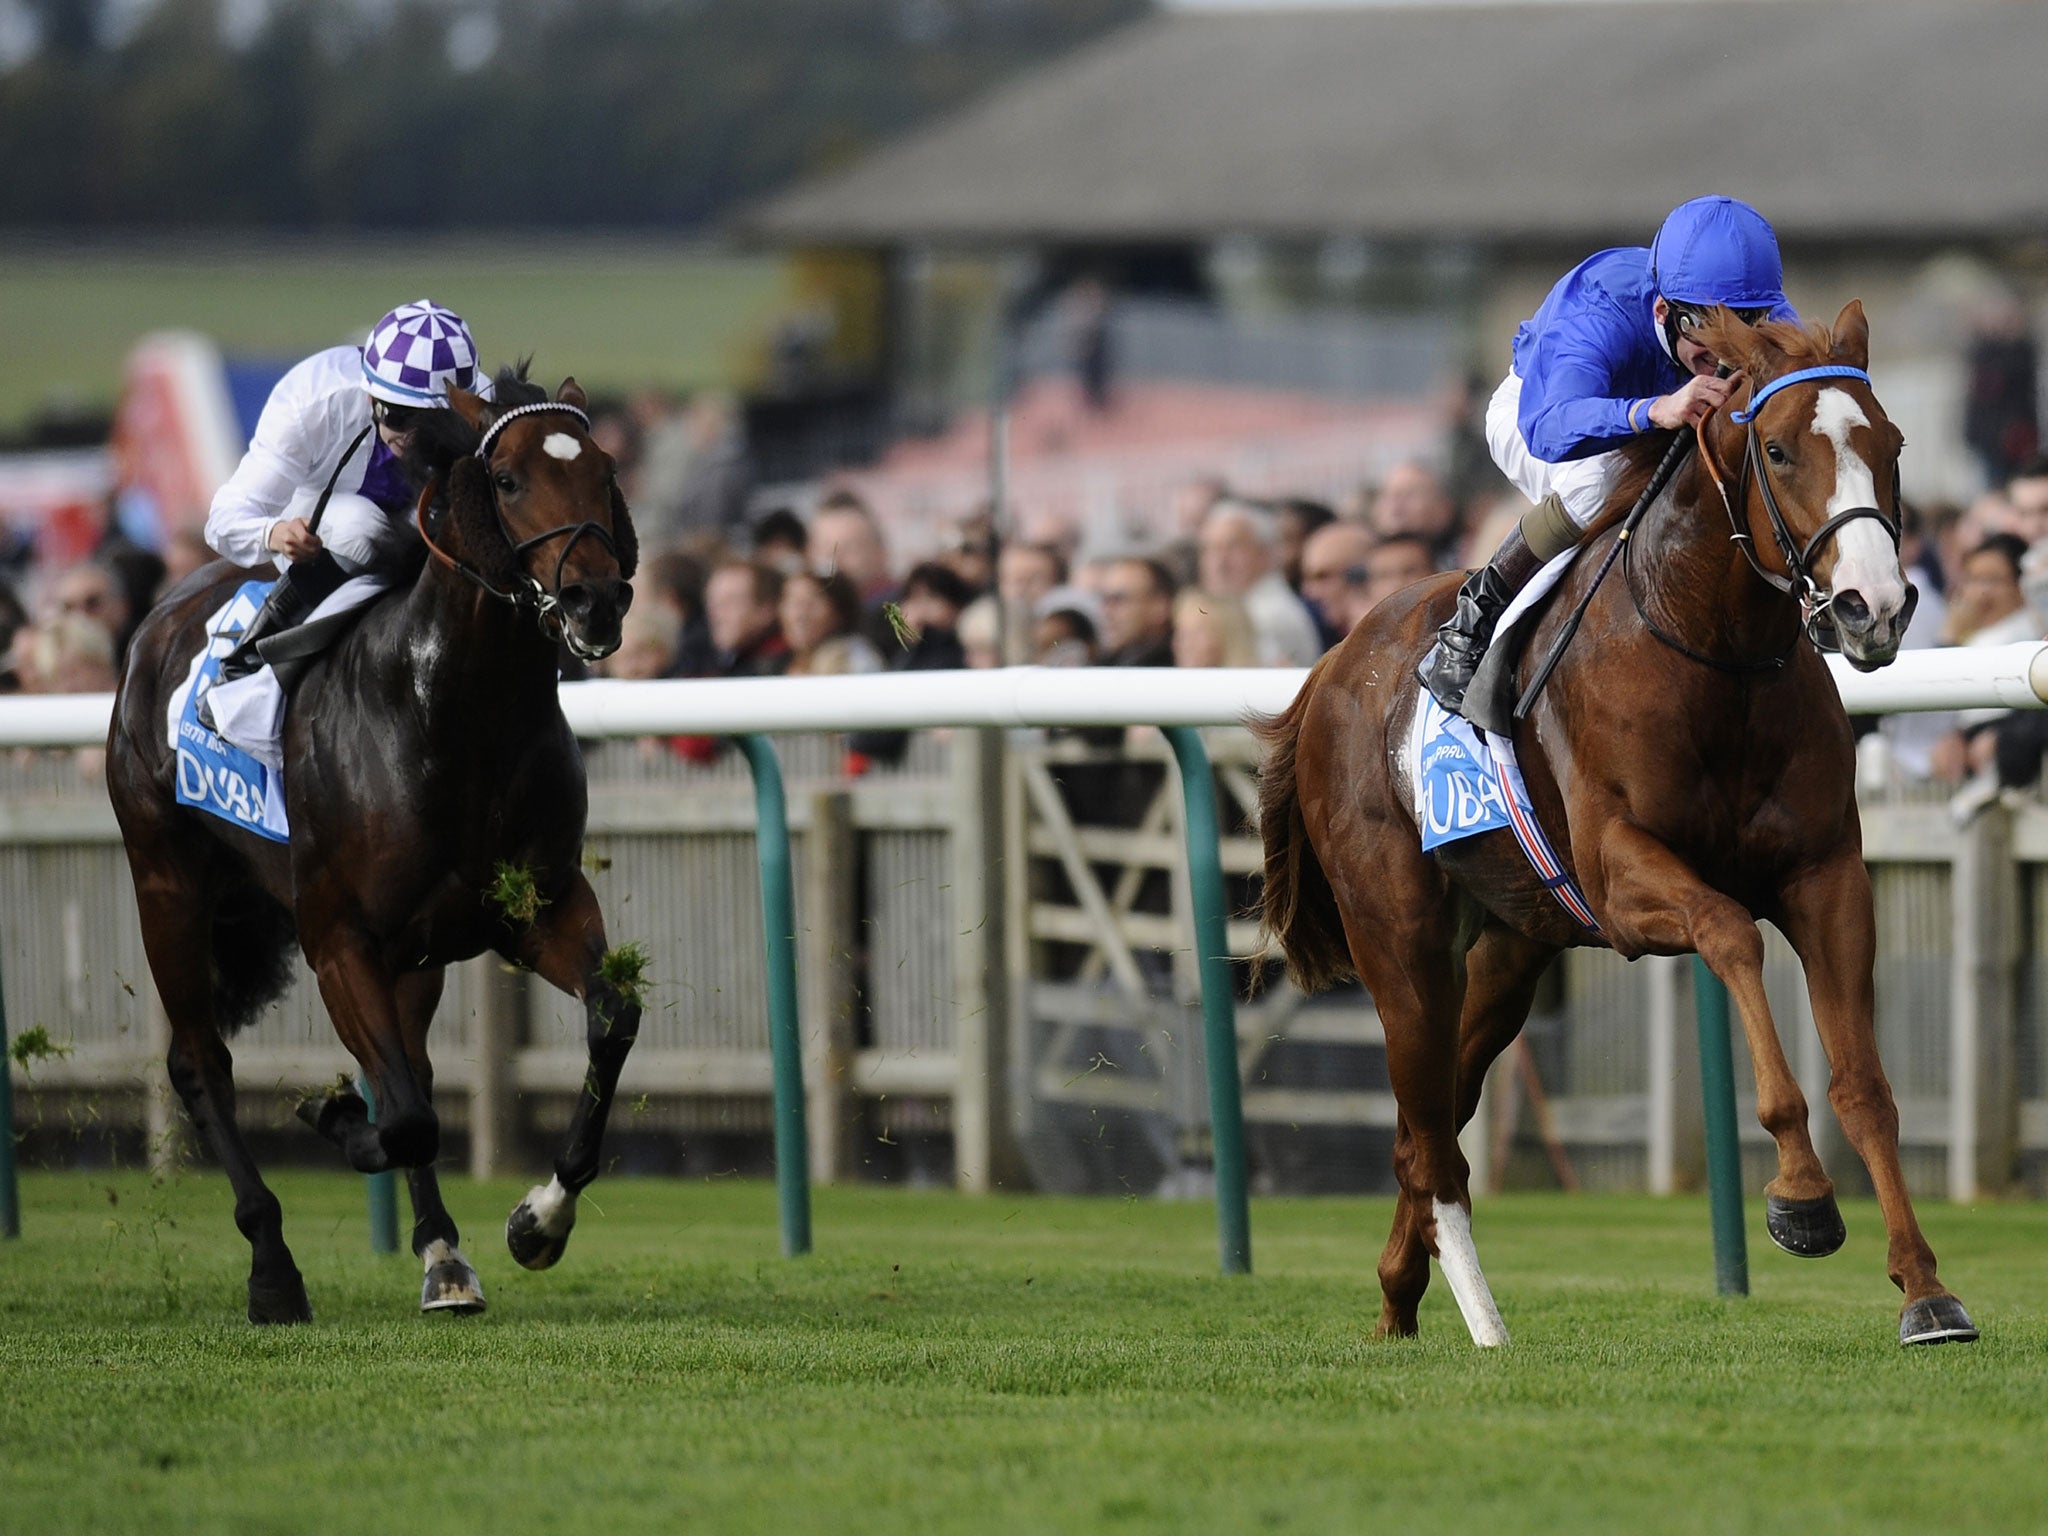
[1484,597]
[297,593]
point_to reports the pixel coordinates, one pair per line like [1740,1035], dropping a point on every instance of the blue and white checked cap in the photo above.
[416,353]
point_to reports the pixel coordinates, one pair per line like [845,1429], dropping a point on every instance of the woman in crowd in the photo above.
[1212,631]
[820,617]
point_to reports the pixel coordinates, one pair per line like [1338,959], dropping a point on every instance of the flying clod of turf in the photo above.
[34,1045]
[514,893]
[625,967]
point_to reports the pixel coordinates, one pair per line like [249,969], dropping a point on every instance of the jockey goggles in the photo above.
[398,418]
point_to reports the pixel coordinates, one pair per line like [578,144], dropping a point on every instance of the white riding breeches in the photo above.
[363,537]
[1581,485]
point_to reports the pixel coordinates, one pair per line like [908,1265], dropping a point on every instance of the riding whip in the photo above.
[1674,455]
[327,491]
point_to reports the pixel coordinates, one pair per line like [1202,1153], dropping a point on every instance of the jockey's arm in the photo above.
[1569,409]
[246,522]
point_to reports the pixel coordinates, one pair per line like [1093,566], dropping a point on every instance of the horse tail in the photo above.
[254,939]
[1297,906]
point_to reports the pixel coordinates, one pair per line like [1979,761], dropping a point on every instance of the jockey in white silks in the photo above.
[1607,357]
[337,424]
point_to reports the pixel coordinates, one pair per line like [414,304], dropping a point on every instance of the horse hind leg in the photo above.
[565,946]
[450,1283]
[177,934]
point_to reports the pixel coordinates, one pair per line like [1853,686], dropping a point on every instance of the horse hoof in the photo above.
[1806,1229]
[330,1113]
[538,1229]
[1936,1320]
[451,1285]
[284,1303]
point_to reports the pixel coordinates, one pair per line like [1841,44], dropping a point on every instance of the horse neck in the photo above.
[476,660]
[1696,584]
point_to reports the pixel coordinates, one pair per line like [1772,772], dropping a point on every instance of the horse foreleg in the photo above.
[1653,902]
[566,946]
[1827,918]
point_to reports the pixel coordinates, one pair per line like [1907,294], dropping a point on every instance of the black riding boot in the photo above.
[1481,601]
[298,592]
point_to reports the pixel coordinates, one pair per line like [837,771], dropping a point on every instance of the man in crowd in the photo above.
[1412,500]
[1137,614]
[1334,576]
[740,600]
[1396,563]
[846,538]
[1238,557]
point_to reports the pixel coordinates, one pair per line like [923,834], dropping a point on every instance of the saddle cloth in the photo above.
[236,769]
[1466,784]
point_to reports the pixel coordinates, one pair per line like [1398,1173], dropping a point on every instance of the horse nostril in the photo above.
[1851,610]
[577,601]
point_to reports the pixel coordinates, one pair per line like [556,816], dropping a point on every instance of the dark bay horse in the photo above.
[426,752]
[1692,764]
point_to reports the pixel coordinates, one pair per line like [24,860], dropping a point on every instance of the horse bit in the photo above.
[532,595]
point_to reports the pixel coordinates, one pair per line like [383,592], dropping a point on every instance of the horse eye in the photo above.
[1775,454]
[506,483]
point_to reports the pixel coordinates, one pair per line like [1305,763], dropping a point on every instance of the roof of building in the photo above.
[1839,118]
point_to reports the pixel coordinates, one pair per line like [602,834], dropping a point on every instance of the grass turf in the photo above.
[616,314]
[942,1364]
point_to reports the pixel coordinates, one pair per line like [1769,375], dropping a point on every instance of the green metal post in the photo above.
[778,931]
[10,1192]
[1724,1153]
[380,1189]
[1219,1004]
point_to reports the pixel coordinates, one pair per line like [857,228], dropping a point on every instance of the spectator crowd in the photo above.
[731,588]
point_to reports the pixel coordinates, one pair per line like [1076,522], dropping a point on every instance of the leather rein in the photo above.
[531,595]
[1797,581]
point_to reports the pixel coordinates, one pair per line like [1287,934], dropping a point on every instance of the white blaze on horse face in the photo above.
[1865,562]
[560,445]
[1460,1261]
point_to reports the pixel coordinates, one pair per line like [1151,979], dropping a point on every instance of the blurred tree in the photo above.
[424,114]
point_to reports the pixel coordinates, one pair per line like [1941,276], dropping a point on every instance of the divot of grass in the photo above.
[33,1045]
[514,893]
[624,966]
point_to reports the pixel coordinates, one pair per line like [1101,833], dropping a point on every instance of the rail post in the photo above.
[785,1043]
[10,1191]
[1219,1005]
[380,1189]
[1724,1153]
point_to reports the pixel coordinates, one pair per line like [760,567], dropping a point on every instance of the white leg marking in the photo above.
[1866,561]
[440,1251]
[553,1207]
[1460,1261]
[560,445]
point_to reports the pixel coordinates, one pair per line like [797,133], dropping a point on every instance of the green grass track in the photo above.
[1023,1364]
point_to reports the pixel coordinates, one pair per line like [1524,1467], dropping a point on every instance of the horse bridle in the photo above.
[531,595]
[1797,582]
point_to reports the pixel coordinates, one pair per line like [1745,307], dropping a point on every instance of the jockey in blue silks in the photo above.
[1608,356]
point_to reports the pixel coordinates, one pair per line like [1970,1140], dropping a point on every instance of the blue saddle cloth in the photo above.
[1466,784]
[213,775]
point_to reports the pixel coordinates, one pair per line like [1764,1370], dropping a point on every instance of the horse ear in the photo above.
[473,409]
[571,393]
[475,521]
[625,539]
[1852,336]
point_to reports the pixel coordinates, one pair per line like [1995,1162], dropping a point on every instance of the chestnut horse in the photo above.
[427,753]
[1690,760]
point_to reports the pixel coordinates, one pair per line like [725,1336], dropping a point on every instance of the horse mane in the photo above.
[442,436]
[1772,347]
